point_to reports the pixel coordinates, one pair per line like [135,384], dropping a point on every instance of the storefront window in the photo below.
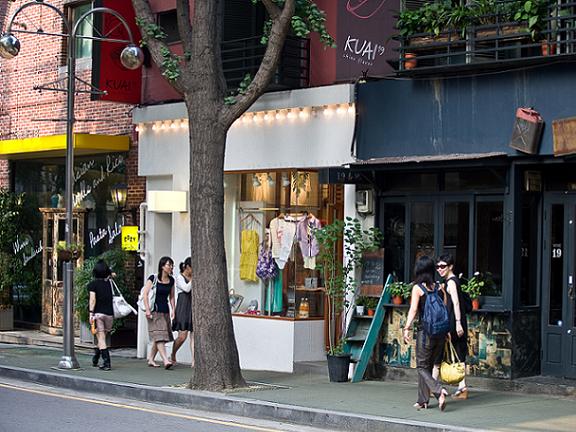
[421,231]
[394,232]
[276,212]
[456,234]
[489,245]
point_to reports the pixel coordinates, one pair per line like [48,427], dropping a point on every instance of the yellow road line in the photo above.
[147,410]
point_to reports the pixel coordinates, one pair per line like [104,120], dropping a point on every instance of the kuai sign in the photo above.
[130,238]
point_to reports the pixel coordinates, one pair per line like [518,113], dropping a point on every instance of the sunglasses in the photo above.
[441,266]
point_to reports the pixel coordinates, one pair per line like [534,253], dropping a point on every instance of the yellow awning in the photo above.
[55,146]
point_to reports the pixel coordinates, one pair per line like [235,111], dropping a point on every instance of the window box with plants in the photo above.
[69,253]
[487,29]
[339,274]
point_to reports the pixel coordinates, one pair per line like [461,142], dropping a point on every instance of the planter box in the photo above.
[6,318]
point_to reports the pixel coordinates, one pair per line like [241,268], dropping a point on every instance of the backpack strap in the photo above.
[424,290]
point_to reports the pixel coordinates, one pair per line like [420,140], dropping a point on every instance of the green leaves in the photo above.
[339,271]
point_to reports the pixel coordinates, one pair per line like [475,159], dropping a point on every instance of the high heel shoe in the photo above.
[442,399]
[420,406]
[461,393]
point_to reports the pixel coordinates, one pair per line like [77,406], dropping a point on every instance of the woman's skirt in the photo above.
[183,318]
[159,327]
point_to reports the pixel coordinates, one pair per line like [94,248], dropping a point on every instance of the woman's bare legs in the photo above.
[182,336]
[152,355]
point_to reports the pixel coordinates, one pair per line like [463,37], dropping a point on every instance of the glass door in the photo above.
[558,291]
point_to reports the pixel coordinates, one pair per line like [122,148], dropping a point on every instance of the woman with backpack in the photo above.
[434,324]
[457,309]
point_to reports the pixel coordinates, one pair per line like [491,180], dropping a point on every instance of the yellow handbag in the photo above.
[452,370]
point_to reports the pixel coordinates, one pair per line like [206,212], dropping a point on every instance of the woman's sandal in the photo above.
[168,365]
[154,365]
[442,399]
[461,393]
[420,406]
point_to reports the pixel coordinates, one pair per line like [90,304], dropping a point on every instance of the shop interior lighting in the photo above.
[340,110]
[291,115]
[304,114]
[173,125]
[351,109]
[328,111]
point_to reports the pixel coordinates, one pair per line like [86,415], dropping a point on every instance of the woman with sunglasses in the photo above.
[458,324]
[428,347]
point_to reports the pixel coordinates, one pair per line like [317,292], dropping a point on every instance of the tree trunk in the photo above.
[216,360]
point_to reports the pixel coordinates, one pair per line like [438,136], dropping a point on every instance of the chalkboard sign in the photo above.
[372,280]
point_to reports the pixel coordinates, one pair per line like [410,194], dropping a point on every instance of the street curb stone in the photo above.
[215,402]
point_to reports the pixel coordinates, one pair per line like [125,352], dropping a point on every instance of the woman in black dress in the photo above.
[182,322]
[101,311]
[159,314]
[456,312]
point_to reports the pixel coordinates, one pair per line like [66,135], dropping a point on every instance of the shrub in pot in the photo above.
[340,279]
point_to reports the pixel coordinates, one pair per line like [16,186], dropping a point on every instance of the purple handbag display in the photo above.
[266,267]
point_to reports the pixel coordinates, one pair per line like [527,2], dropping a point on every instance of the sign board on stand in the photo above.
[372,279]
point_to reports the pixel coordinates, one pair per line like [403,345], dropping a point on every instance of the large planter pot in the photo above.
[6,318]
[338,366]
[397,300]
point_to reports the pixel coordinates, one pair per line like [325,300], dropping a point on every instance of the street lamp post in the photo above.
[131,58]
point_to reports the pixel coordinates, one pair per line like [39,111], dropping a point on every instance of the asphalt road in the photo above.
[26,407]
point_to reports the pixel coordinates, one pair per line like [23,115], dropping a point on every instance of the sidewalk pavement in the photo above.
[301,398]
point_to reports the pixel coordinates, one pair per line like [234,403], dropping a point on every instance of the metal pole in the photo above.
[68,360]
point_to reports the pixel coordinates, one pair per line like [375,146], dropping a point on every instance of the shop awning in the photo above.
[55,146]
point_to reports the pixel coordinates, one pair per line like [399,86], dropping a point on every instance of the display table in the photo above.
[276,343]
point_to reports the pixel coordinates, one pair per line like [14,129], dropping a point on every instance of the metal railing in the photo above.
[496,41]
[243,56]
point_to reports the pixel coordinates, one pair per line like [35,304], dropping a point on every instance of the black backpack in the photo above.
[435,314]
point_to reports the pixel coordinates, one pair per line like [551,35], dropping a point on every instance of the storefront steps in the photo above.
[38,338]
[536,385]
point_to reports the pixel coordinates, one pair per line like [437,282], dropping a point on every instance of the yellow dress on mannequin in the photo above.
[249,255]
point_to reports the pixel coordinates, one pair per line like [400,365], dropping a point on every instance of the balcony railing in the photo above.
[496,41]
[241,57]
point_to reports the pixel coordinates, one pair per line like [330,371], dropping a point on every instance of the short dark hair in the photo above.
[101,270]
[162,263]
[424,270]
[447,258]
[187,263]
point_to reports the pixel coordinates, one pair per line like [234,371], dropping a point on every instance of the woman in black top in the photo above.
[456,312]
[159,314]
[427,347]
[101,311]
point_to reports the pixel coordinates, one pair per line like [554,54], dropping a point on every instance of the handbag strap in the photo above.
[115,289]
[450,352]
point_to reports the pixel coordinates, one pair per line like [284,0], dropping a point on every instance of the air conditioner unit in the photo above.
[364,201]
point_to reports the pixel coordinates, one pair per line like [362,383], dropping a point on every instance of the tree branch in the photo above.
[273,10]
[184,22]
[278,33]
[155,46]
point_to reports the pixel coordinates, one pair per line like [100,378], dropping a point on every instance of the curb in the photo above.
[215,402]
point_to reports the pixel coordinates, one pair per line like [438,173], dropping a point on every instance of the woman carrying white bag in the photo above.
[101,311]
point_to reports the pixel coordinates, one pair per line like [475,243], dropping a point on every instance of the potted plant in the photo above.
[340,281]
[371,304]
[397,292]
[473,287]
[360,305]
[116,260]
[69,253]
